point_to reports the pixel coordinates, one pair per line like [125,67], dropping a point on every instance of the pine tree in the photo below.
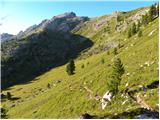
[129,33]
[138,26]
[152,12]
[116,76]
[134,29]
[70,67]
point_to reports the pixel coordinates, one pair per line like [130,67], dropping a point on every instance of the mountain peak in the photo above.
[66,15]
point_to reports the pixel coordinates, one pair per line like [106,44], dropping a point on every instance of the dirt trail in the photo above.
[142,103]
[139,100]
[91,94]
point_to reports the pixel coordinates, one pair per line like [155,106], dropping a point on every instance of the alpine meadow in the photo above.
[80,67]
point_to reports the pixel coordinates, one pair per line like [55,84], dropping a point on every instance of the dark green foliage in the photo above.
[3,113]
[70,67]
[140,33]
[102,61]
[138,26]
[134,29]
[48,85]
[82,66]
[129,33]
[107,29]
[108,53]
[9,96]
[145,19]
[152,12]
[119,18]
[115,51]
[47,50]
[119,45]
[148,17]
[116,76]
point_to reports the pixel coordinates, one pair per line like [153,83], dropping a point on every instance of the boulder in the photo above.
[106,98]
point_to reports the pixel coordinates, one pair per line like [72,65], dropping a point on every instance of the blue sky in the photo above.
[18,15]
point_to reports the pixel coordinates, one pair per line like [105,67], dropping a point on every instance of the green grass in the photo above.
[68,99]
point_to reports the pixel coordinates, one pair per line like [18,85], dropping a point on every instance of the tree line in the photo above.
[147,18]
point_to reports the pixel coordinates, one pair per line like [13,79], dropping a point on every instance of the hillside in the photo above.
[92,45]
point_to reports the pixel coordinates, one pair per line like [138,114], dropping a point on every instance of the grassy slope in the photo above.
[68,99]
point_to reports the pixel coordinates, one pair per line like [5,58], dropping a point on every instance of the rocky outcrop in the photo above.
[106,98]
[63,22]
[6,36]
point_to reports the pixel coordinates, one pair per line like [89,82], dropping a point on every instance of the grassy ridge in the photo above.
[68,99]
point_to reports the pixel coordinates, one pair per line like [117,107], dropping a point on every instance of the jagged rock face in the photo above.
[6,36]
[63,22]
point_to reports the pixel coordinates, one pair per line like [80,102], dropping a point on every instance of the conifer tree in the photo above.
[116,76]
[70,67]
[134,29]
[152,12]
[138,26]
[129,33]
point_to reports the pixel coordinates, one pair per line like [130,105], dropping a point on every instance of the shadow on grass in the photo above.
[139,113]
[38,54]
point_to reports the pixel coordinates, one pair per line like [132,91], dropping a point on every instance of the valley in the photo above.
[34,69]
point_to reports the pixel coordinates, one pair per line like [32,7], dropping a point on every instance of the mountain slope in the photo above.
[6,36]
[67,98]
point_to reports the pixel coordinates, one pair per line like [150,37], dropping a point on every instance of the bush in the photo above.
[70,67]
